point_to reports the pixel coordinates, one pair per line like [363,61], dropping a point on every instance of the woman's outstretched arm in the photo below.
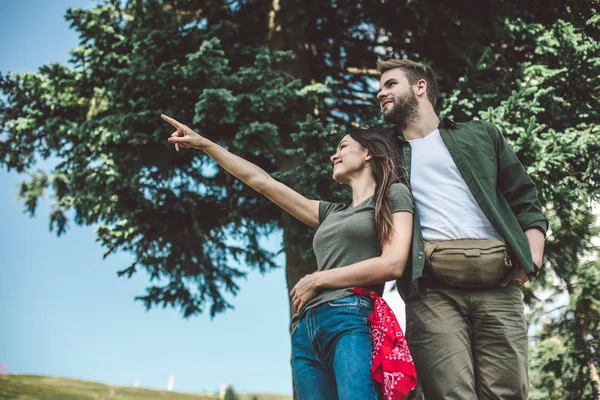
[289,200]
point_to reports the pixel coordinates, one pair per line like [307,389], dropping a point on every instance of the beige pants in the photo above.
[469,344]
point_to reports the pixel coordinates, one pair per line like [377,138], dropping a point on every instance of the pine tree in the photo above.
[230,394]
[278,82]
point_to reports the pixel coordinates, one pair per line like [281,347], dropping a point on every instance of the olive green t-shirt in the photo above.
[347,235]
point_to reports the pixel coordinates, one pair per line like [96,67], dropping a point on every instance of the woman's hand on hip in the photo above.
[183,136]
[305,290]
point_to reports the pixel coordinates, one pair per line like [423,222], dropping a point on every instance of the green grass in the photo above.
[33,387]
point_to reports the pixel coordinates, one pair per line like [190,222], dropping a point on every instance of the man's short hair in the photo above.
[414,71]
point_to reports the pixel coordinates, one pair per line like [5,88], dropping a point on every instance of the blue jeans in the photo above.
[332,352]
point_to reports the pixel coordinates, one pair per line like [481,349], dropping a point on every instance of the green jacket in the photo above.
[499,184]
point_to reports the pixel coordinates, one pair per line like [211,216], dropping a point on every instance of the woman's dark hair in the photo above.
[385,162]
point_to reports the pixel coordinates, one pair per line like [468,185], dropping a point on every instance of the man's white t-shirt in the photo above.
[446,207]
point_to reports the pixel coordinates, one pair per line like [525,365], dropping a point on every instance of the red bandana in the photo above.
[393,365]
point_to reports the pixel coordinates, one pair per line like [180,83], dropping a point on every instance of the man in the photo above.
[478,236]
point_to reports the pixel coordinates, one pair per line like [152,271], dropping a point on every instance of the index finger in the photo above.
[172,121]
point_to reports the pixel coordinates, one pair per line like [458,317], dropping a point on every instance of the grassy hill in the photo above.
[33,387]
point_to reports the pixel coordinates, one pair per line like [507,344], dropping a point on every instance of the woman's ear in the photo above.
[368,157]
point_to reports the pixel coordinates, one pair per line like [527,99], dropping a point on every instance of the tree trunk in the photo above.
[287,21]
[581,336]
[294,244]
[589,360]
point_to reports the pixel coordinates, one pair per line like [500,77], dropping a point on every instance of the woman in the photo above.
[364,244]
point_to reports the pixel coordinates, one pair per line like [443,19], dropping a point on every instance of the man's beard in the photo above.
[403,110]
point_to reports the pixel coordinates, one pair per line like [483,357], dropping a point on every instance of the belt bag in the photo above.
[468,263]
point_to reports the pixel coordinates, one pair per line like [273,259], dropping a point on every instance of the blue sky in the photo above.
[64,311]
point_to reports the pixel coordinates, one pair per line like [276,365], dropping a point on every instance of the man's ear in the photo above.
[421,86]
